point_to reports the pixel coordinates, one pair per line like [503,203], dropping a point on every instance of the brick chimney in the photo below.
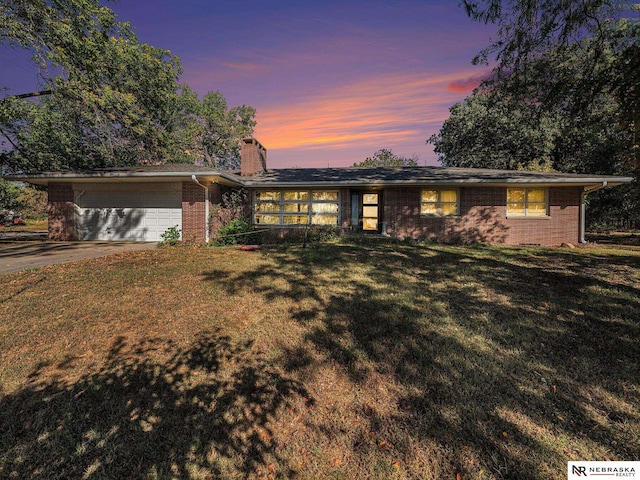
[253,157]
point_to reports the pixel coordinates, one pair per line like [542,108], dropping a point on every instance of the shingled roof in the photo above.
[324,177]
[355,176]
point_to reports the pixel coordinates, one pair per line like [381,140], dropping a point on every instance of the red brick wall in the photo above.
[253,157]
[483,218]
[61,212]
[194,212]
[561,226]
[345,207]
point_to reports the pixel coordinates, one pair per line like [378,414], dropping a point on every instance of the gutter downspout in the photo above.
[206,206]
[583,222]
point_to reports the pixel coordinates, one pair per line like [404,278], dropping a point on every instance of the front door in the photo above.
[365,211]
[370,212]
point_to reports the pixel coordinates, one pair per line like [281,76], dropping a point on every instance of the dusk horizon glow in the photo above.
[332,82]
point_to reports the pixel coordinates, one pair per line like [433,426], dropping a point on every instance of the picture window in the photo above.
[296,207]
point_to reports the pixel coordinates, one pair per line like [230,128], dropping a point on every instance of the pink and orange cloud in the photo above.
[387,111]
[467,85]
[332,82]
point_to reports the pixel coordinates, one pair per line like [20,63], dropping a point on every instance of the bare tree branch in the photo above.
[29,95]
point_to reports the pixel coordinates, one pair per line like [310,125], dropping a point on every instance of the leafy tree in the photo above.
[107,90]
[485,131]
[527,29]
[208,132]
[567,57]
[386,158]
[490,130]
[564,95]
[9,193]
[29,201]
[106,99]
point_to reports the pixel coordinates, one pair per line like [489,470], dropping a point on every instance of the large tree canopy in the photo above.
[529,28]
[108,90]
[497,128]
[574,56]
[564,94]
[207,131]
[109,100]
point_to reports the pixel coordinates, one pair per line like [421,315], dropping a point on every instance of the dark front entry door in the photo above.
[370,212]
[365,211]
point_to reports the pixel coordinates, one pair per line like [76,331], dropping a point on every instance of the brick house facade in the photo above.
[447,204]
[483,218]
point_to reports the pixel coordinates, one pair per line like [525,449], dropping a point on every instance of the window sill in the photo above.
[528,217]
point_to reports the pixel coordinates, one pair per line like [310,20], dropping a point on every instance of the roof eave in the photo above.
[100,177]
[230,179]
[577,182]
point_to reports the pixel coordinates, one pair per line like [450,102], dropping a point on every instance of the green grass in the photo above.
[31,225]
[335,361]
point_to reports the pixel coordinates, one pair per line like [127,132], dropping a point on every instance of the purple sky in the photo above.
[332,81]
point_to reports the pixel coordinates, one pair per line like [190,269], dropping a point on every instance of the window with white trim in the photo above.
[296,207]
[527,202]
[439,202]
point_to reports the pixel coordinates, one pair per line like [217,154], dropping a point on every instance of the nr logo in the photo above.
[579,471]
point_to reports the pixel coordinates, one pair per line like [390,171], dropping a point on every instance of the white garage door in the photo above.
[137,213]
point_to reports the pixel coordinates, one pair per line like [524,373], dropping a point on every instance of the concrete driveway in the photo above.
[21,255]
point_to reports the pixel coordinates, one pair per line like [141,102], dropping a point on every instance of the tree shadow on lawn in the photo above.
[154,410]
[525,364]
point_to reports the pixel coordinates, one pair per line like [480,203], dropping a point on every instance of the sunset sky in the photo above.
[332,81]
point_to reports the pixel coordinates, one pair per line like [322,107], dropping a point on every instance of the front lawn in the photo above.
[334,361]
[31,225]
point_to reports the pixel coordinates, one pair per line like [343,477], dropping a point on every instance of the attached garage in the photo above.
[130,211]
[136,204]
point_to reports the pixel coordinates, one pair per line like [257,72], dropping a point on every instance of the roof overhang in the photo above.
[583,182]
[345,179]
[45,178]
